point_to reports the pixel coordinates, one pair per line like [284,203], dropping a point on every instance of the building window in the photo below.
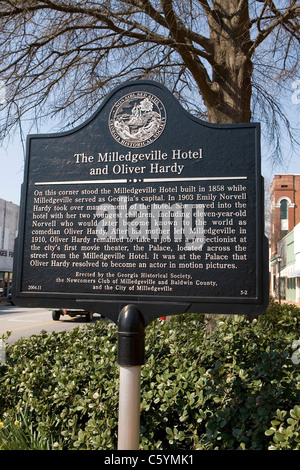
[284,222]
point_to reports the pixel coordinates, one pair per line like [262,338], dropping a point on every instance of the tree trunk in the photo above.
[231,78]
[231,75]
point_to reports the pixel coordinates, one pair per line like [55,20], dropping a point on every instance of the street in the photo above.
[24,322]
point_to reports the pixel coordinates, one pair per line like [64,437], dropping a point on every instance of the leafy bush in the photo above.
[285,430]
[68,382]
[225,390]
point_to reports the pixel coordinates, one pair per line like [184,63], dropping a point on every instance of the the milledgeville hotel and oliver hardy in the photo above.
[9,221]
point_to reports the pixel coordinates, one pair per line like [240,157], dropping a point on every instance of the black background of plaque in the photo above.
[228,150]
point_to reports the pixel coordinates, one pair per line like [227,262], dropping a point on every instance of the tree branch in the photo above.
[279,19]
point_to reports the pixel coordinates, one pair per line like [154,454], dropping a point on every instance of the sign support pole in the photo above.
[131,353]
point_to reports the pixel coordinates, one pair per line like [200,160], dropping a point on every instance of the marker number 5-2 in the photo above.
[244,292]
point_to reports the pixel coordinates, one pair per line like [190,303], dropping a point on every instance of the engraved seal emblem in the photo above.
[137,119]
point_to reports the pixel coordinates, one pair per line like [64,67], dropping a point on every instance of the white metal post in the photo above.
[131,356]
[129,408]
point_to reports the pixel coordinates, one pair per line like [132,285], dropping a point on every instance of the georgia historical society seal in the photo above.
[137,119]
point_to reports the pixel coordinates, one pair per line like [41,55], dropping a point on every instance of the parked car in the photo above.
[56,314]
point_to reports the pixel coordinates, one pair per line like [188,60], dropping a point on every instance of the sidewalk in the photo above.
[5,304]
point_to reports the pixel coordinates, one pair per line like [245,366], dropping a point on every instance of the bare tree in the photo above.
[227,61]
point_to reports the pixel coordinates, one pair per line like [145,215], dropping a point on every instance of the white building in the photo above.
[295,275]
[9,220]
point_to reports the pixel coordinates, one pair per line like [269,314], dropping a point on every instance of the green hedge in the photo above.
[236,388]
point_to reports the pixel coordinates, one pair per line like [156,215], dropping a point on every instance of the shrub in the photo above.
[68,383]
[198,391]
[285,430]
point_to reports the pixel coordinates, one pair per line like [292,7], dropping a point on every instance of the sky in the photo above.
[12,158]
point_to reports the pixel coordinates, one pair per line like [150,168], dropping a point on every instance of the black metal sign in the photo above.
[143,204]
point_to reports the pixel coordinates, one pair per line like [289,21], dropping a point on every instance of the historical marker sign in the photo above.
[143,204]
